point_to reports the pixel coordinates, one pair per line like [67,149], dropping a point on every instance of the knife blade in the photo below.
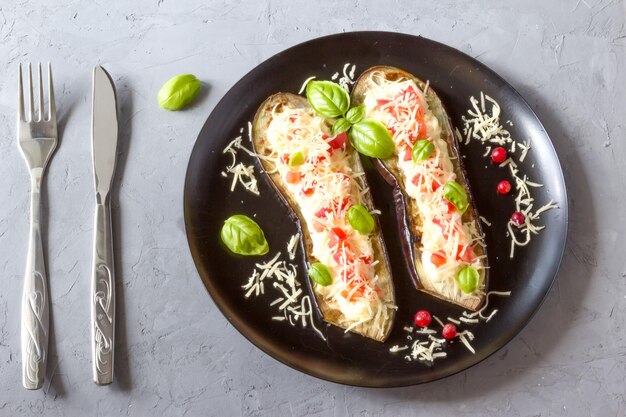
[104,133]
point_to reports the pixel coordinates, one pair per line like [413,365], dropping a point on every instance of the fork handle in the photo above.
[35,302]
[103,295]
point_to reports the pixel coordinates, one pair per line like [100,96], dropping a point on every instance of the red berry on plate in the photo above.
[504,187]
[518,219]
[449,331]
[422,318]
[498,155]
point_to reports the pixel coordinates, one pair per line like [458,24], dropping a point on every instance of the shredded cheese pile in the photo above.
[292,306]
[484,125]
[241,173]
[347,79]
[447,240]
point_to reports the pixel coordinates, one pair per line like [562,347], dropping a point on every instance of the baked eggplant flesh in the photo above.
[441,233]
[320,178]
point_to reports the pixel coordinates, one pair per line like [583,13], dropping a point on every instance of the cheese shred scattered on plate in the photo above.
[483,124]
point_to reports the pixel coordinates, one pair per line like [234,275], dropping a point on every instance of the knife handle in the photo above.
[103,295]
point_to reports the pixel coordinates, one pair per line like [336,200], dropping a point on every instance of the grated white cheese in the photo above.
[292,246]
[463,337]
[484,125]
[487,222]
[304,84]
[241,173]
[295,308]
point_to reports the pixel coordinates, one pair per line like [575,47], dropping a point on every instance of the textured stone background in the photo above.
[176,354]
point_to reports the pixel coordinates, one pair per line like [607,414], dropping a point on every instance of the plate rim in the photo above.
[563,207]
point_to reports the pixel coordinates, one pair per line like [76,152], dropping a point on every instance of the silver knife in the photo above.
[104,148]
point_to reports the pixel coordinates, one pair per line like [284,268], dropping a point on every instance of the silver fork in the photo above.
[37,140]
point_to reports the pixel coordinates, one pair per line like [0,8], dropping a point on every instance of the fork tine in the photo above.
[20,95]
[31,104]
[52,113]
[42,116]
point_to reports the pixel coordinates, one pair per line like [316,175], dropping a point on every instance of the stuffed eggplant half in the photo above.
[442,236]
[321,179]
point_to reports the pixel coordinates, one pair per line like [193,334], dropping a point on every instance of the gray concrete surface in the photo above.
[176,353]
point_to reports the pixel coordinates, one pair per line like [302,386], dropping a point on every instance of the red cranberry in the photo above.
[518,219]
[422,318]
[504,187]
[449,331]
[498,155]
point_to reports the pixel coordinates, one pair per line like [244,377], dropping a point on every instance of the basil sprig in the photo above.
[360,219]
[179,91]
[244,236]
[422,150]
[327,98]
[320,274]
[371,138]
[356,114]
[468,279]
[455,193]
[368,137]
[340,126]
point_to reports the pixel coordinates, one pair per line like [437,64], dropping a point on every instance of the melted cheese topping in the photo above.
[325,187]
[447,241]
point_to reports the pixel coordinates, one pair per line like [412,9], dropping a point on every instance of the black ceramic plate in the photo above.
[349,358]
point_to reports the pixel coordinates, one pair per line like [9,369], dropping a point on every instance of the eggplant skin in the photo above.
[261,147]
[408,214]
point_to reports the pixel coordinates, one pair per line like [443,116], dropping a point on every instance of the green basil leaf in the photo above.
[327,98]
[179,92]
[372,138]
[468,279]
[320,274]
[422,150]
[297,158]
[455,193]
[340,126]
[243,236]
[356,114]
[360,219]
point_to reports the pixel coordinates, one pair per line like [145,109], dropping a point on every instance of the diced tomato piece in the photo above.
[435,185]
[381,102]
[346,203]
[293,177]
[339,232]
[308,191]
[339,141]
[323,212]
[356,294]
[422,132]
[438,258]
[292,119]
[366,259]
[468,256]
[417,180]
[451,207]
[407,153]
[409,92]
[284,158]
